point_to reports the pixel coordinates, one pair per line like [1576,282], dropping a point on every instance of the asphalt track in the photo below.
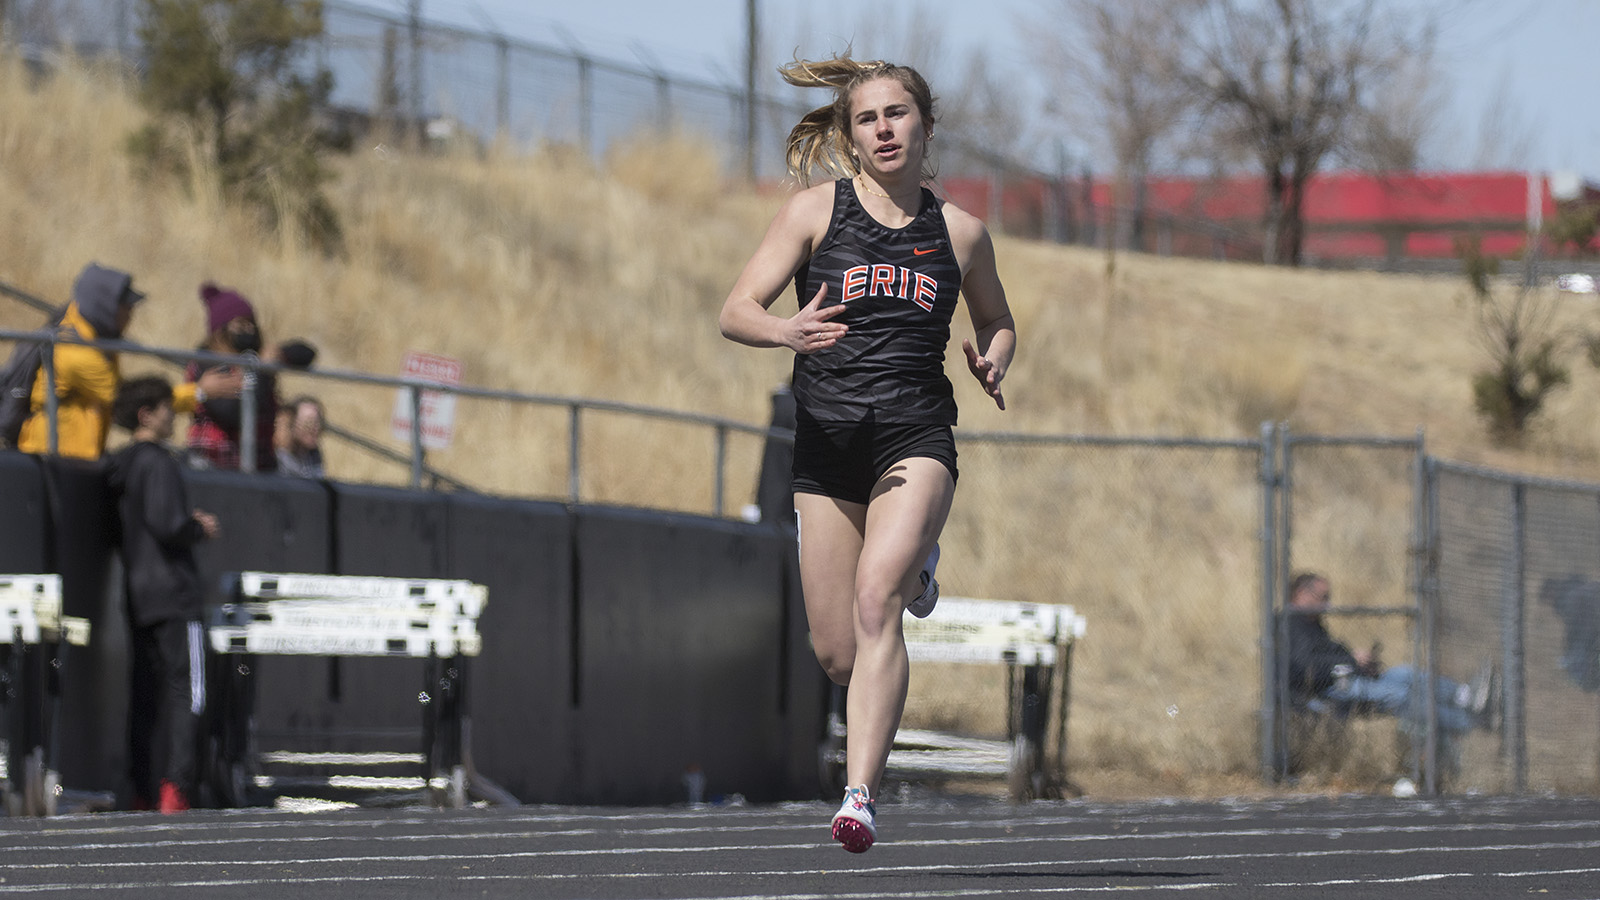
[1367,847]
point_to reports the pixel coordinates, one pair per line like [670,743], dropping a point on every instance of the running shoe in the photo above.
[854,826]
[172,798]
[926,600]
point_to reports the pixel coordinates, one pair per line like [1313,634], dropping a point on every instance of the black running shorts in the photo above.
[844,460]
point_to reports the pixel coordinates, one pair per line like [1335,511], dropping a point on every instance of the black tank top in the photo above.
[901,285]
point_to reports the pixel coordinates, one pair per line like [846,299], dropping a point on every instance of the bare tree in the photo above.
[1504,138]
[983,127]
[1118,78]
[1394,131]
[1293,80]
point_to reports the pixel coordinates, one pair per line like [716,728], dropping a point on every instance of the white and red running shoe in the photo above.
[853,825]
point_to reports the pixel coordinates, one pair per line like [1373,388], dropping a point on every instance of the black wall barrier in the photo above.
[270,524]
[621,647]
[363,703]
[680,662]
[806,690]
[79,531]
[22,515]
[521,687]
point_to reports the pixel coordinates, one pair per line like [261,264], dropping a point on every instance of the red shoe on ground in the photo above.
[172,799]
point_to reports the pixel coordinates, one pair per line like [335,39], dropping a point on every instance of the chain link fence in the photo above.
[1515,580]
[1155,542]
[1179,553]
[406,79]
[446,83]
[421,80]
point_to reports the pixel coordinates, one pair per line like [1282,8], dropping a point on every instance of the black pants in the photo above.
[168,695]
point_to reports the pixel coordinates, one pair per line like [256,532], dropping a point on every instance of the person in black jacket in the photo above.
[162,586]
[1321,667]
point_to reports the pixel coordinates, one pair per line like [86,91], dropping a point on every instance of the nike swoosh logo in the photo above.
[918,251]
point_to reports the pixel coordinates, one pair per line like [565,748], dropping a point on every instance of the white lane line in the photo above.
[701,832]
[695,819]
[1076,862]
[873,895]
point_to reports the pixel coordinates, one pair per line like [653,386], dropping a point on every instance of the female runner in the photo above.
[878,263]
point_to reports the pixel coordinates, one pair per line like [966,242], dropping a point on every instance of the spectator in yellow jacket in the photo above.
[87,378]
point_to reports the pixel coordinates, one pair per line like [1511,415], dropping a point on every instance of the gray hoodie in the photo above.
[98,292]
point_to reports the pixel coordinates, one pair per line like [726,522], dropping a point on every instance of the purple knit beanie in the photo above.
[223,306]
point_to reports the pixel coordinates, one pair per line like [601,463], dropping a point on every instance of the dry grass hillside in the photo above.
[548,273]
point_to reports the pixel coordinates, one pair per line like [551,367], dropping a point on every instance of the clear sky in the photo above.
[1536,61]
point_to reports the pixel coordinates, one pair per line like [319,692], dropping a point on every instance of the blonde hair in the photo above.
[821,139]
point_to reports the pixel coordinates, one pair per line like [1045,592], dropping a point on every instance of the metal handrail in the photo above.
[575,406]
[435,477]
[37,303]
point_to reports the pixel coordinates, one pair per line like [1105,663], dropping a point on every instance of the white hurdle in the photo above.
[348,615]
[294,614]
[1034,642]
[36,636]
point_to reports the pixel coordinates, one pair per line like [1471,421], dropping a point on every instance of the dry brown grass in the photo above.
[545,272]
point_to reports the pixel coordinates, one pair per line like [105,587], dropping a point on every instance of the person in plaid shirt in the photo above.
[214,430]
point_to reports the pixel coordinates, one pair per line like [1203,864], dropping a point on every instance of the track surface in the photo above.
[1365,847]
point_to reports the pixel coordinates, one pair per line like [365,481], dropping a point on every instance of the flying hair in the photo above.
[821,139]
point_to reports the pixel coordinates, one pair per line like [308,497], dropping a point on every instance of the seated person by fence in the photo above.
[1324,673]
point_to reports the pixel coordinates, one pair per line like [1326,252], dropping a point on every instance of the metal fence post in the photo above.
[1511,638]
[502,87]
[416,435]
[1429,757]
[574,446]
[247,421]
[586,104]
[717,504]
[1271,756]
[1424,570]
[1285,511]
[663,104]
[1283,539]
[414,128]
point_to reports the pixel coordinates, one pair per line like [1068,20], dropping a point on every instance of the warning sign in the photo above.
[438,407]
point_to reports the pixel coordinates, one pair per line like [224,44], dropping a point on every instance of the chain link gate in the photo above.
[1347,508]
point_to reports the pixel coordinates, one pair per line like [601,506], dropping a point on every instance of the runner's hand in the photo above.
[812,328]
[986,372]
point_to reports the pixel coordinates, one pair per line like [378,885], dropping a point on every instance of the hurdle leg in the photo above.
[10,688]
[456,672]
[430,700]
